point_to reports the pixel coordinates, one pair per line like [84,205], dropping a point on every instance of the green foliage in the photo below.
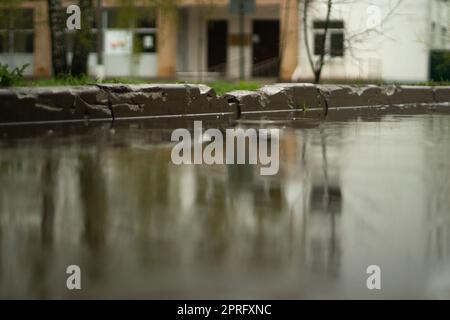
[443,69]
[10,78]
[440,65]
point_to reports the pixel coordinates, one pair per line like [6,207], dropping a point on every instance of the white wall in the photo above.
[439,16]
[142,65]
[398,52]
[18,60]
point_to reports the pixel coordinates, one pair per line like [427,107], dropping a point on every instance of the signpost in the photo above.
[241,8]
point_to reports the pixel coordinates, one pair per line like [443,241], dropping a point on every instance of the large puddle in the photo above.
[348,195]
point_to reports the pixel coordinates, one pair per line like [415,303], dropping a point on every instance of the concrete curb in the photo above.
[308,96]
[119,101]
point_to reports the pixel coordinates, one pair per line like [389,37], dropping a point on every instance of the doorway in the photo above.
[266,48]
[217,46]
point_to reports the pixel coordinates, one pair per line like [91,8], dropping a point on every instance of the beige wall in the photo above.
[288,38]
[42,46]
[167,43]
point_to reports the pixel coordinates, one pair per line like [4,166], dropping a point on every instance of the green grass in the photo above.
[221,87]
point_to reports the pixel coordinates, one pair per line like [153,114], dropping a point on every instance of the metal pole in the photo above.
[241,40]
[100,72]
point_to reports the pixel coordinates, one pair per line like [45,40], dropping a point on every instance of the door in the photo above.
[266,47]
[217,45]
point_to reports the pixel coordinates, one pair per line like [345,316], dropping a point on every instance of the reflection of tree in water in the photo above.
[48,200]
[93,197]
[139,195]
[41,256]
[325,211]
[94,211]
[133,200]
[255,202]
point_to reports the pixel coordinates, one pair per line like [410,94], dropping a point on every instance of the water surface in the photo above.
[349,194]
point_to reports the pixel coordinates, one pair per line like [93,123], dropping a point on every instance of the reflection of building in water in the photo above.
[278,219]
[437,218]
[119,206]
[438,153]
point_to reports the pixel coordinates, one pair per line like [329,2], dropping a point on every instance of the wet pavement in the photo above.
[349,194]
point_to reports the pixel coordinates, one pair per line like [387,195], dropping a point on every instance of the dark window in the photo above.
[16,19]
[22,19]
[334,44]
[4,20]
[16,30]
[145,19]
[332,24]
[4,47]
[23,42]
[439,68]
[113,18]
[337,45]
[318,43]
[124,18]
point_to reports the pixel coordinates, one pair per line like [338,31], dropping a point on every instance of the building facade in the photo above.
[195,39]
[389,40]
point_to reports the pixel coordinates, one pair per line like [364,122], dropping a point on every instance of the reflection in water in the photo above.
[348,195]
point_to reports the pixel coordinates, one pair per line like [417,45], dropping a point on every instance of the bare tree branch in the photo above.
[350,40]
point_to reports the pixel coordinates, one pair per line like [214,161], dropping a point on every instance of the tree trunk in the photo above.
[82,41]
[57,37]
[318,71]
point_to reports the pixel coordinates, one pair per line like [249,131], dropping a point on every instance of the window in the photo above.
[318,43]
[332,24]
[125,18]
[337,45]
[334,43]
[146,42]
[4,41]
[16,31]
[141,21]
